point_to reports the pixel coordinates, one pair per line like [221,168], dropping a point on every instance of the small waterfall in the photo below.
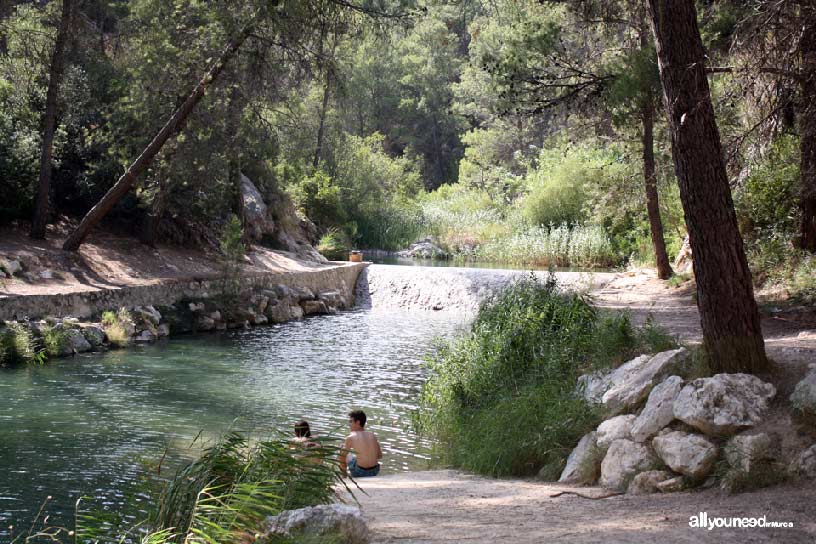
[447,288]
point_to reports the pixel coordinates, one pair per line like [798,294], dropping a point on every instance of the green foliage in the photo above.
[581,246]
[53,339]
[502,401]
[233,251]
[333,245]
[17,346]
[117,326]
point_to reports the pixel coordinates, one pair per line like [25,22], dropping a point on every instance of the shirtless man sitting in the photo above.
[365,446]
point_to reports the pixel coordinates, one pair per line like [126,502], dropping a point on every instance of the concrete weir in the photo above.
[450,288]
[337,276]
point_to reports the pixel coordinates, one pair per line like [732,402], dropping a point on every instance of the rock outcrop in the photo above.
[623,461]
[648,482]
[803,398]
[659,409]
[613,429]
[723,404]
[340,522]
[692,455]
[584,463]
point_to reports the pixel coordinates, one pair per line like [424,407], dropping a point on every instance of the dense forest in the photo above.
[510,130]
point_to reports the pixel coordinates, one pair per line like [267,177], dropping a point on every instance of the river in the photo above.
[89,426]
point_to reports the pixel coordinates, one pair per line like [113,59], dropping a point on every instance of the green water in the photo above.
[88,426]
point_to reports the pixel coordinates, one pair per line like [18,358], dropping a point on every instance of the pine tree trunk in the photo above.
[732,337]
[664,270]
[807,134]
[40,219]
[234,113]
[321,128]
[123,185]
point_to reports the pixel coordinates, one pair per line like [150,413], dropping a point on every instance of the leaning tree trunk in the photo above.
[732,337]
[664,270]
[807,134]
[38,222]
[123,185]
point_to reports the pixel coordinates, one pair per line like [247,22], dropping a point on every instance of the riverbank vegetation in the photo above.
[502,400]
[224,495]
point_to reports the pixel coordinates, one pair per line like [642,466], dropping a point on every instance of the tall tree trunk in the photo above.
[807,132]
[321,127]
[123,185]
[664,270]
[40,218]
[234,113]
[732,337]
[5,13]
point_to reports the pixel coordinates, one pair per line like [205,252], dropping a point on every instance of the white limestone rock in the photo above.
[623,461]
[805,464]
[744,452]
[593,386]
[672,485]
[613,429]
[659,409]
[629,393]
[584,462]
[329,520]
[647,482]
[723,404]
[803,398]
[692,455]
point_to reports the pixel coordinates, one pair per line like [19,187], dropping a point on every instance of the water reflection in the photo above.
[83,426]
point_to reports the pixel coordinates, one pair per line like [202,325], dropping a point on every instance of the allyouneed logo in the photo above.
[704,521]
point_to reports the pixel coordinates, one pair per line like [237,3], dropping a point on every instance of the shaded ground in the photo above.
[109,260]
[449,506]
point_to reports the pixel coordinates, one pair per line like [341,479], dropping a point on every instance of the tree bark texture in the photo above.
[40,218]
[664,270]
[732,337]
[807,132]
[123,185]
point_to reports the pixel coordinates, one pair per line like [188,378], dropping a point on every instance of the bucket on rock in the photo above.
[356,256]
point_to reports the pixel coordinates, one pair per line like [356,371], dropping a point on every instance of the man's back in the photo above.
[366,446]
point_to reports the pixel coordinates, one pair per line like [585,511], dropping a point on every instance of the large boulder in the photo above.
[659,409]
[805,463]
[723,404]
[315,307]
[690,454]
[584,463]
[623,461]
[75,342]
[593,386]
[293,231]
[258,223]
[424,249]
[803,398]
[745,452]
[629,393]
[647,482]
[331,521]
[94,334]
[613,429]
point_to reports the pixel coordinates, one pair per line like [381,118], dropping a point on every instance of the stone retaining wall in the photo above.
[341,277]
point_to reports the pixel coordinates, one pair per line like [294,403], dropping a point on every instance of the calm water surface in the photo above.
[88,426]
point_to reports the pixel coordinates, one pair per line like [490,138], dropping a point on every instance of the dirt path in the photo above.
[449,506]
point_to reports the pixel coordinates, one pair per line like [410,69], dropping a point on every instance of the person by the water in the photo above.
[365,459]
[303,440]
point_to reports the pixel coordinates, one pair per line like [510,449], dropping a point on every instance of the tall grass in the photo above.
[501,400]
[17,346]
[117,326]
[582,245]
[224,496]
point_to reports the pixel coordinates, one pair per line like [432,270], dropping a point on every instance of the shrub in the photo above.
[117,326]
[334,245]
[17,346]
[501,400]
[53,339]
